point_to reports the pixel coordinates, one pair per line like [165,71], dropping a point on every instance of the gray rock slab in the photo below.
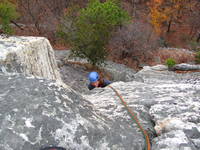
[164,98]
[186,67]
[36,112]
[174,140]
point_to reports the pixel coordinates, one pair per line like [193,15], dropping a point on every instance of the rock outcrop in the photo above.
[29,55]
[118,72]
[186,67]
[37,112]
[174,102]
[163,99]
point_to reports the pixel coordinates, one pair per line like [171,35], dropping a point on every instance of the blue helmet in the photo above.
[93,76]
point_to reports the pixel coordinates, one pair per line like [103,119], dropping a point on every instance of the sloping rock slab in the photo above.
[170,100]
[35,113]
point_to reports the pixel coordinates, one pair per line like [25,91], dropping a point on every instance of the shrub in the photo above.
[170,62]
[195,45]
[7,13]
[197,57]
[92,30]
[135,41]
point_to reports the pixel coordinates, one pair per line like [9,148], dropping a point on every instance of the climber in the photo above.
[97,81]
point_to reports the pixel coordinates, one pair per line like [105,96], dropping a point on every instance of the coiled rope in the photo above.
[134,118]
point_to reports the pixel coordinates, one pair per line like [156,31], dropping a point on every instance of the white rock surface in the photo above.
[170,100]
[29,55]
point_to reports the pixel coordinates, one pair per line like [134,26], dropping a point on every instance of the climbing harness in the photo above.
[134,118]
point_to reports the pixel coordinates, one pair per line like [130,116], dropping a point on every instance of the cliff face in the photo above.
[29,55]
[36,112]
[168,99]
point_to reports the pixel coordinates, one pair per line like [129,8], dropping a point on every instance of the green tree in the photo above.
[92,29]
[7,14]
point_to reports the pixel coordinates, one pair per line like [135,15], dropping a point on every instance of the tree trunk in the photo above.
[133,10]
[198,38]
[16,24]
[169,26]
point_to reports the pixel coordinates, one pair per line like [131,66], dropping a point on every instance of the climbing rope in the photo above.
[134,118]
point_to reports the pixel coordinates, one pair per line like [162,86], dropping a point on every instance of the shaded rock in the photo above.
[75,77]
[29,55]
[60,56]
[119,72]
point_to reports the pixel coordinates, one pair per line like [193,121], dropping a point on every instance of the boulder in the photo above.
[28,55]
[119,72]
[186,67]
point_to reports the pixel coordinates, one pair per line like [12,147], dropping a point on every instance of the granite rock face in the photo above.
[174,102]
[35,113]
[39,112]
[28,55]
[170,100]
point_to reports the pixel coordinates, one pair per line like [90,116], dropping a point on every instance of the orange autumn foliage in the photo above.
[166,11]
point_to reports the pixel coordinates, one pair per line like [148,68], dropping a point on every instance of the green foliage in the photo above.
[197,57]
[170,62]
[7,13]
[92,29]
